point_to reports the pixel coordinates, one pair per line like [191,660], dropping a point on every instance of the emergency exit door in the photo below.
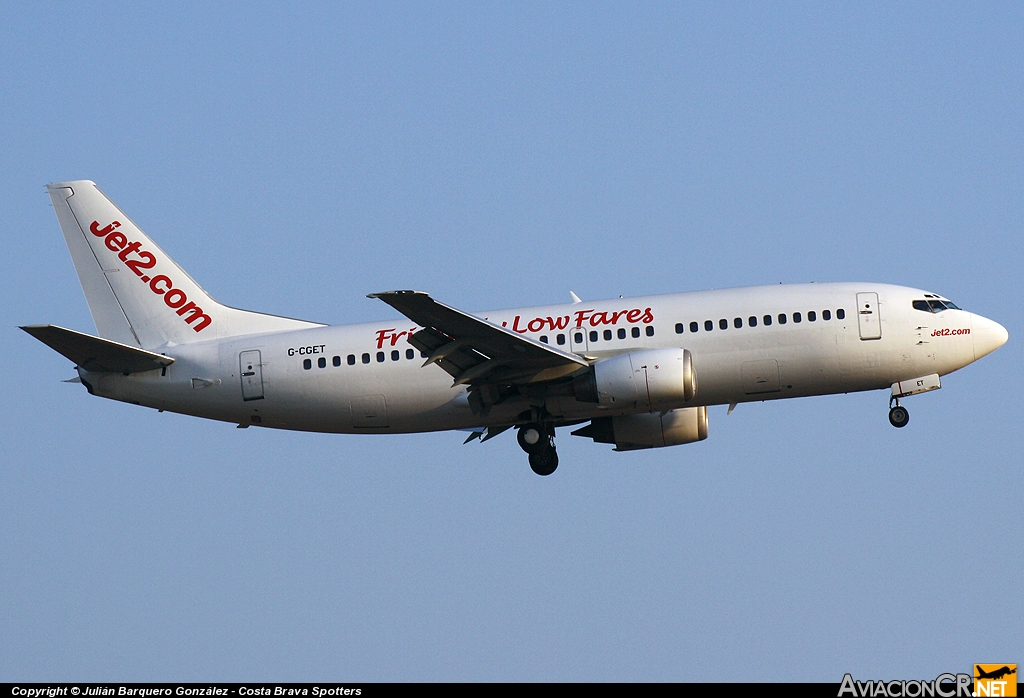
[251,369]
[867,316]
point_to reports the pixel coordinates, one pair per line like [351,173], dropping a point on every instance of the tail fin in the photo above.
[136,293]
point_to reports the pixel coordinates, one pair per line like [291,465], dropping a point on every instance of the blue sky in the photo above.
[295,159]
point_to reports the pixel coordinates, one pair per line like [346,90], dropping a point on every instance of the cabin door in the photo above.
[867,316]
[251,369]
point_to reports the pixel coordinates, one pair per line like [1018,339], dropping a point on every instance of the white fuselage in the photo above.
[367,378]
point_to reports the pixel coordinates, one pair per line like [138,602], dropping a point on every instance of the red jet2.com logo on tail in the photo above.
[161,285]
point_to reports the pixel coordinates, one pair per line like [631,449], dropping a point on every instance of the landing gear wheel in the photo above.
[544,461]
[898,416]
[532,438]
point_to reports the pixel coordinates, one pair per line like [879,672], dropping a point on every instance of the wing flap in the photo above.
[96,354]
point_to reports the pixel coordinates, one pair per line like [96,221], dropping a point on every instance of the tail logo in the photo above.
[161,285]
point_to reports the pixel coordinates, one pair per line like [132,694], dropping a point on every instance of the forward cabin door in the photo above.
[251,369]
[867,316]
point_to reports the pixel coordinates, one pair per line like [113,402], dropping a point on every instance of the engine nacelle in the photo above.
[650,429]
[645,379]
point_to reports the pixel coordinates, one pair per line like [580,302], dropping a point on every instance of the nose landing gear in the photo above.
[538,441]
[898,415]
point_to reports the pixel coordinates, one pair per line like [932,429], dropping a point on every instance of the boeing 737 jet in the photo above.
[633,372]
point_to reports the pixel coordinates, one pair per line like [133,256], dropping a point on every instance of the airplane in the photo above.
[637,373]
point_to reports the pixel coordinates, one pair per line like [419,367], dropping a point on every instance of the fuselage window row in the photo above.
[767,320]
[396,355]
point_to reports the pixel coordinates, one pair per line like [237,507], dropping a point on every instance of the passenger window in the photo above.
[366,358]
[351,359]
[708,325]
[752,321]
[307,364]
[544,339]
[410,354]
[650,330]
[560,339]
[321,362]
[424,355]
[782,318]
[693,327]
[380,357]
[723,324]
[337,361]
[811,317]
[607,335]
[796,317]
[593,335]
[395,356]
[579,338]
[737,322]
[636,331]
[679,328]
[767,320]
[622,333]
[840,314]
[826,314]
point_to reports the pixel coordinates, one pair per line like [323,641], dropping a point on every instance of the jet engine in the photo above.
[646,379]
[650,429]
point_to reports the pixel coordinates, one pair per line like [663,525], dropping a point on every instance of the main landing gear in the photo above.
[538,440]
[898,415]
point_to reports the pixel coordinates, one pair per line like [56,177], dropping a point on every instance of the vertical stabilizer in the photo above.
[136,293]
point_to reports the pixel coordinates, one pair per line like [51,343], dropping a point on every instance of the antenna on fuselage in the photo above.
[575,298]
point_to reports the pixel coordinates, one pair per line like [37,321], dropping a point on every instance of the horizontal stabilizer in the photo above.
[95,354]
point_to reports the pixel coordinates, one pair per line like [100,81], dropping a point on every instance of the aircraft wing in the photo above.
[475,351]
[95,353]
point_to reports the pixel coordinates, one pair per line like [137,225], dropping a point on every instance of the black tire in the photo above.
[544,461]
[898,416]
[532,438]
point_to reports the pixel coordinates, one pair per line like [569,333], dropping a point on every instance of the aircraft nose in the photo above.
[988,336]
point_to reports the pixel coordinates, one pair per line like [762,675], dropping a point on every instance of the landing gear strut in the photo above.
[898,415]
[538,440]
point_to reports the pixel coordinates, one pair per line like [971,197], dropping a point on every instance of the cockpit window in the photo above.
[934,306]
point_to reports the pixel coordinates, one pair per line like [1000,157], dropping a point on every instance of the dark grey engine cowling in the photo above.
[650,429]
[645,379]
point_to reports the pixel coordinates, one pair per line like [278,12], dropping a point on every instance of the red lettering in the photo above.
[537,324]
[616,315]
[197,313]
[648,317]
[175,298]
[582,315]
[166,287]
[396,337]
[382,335]
[599,319]
[103,232]
[115,241]
[559,323]
[633,315]
[132,246]
[515,326]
